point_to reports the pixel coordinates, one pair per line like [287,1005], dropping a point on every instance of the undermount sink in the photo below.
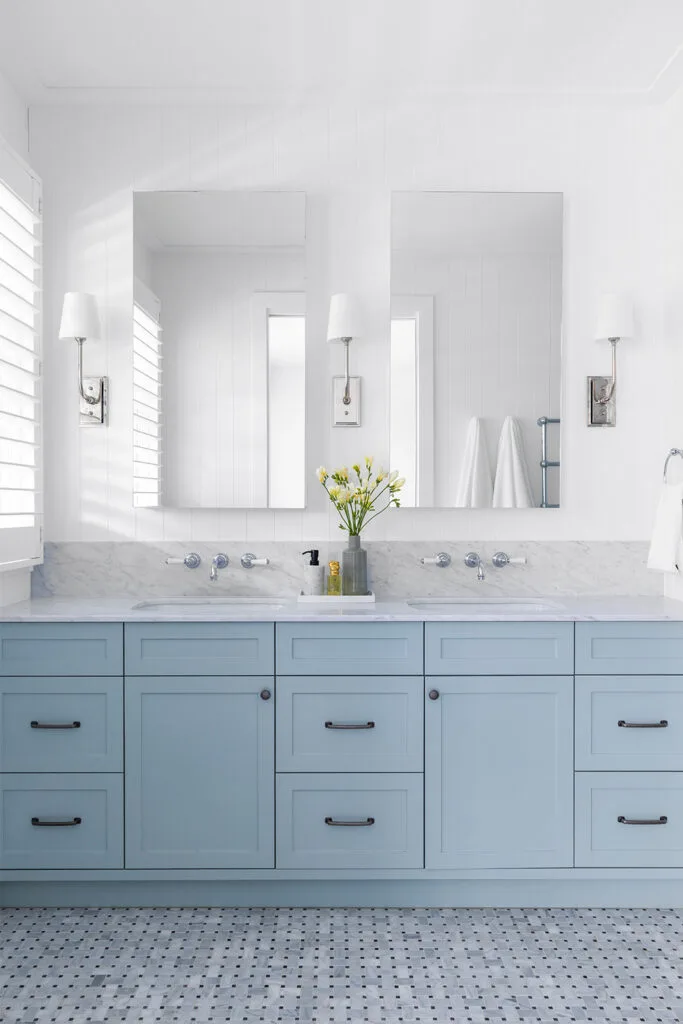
[187,605]
[484,605]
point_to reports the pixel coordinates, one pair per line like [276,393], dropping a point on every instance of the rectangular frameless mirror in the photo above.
[476,313]
[219,339]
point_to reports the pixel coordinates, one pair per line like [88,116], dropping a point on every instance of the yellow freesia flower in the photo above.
[322,474]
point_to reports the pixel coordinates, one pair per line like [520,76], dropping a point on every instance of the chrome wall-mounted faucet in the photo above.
[442,560]
[190,561]
[501,559]
[248,561]
[473,561]
[219,561]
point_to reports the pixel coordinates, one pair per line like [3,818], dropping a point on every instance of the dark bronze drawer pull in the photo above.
[351,824]
[350,725]
[55,725]
[265,694]
[642,821]
[642,725]
[57,823]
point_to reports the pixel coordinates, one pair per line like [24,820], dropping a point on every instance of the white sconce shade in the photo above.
[615,317]
[80,318]
[345,319]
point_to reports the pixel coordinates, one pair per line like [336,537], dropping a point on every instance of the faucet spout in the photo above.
[481,575]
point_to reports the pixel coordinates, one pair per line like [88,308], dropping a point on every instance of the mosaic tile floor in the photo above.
[328,966]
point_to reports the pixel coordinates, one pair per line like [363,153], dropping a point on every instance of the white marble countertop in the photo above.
[286,609]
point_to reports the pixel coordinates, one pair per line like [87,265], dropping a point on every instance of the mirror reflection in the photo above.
[476,312]
[219,349]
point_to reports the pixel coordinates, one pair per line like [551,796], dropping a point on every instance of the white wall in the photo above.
[608,163]
[13,118]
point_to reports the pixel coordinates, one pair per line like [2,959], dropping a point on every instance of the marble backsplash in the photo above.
[139,570]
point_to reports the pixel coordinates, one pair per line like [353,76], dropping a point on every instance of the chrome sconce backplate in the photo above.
[93,401]
[601,414]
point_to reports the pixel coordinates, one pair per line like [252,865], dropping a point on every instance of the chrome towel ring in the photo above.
[672,452]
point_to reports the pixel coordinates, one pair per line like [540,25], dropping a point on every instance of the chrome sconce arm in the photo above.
[80,320]
[615,322]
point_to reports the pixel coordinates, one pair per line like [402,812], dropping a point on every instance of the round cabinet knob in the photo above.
[265,695]
[433,694]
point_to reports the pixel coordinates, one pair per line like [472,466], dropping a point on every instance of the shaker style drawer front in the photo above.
[629,819]
[499,648]
[629,723]
[629,648]
[62,725]
[349,821]
[61,649]
[202,648]
[352,648]
[336,724]
[61,821]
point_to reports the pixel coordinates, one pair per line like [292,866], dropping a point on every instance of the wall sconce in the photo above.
[80,320]
[615,321]
[343,325]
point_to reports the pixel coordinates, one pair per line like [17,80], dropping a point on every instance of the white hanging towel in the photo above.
[666,546]
[475,488]
[511,488]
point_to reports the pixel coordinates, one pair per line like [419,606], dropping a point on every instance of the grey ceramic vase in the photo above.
[354,568]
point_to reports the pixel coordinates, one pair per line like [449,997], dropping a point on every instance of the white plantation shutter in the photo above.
[147,451]
[20,332]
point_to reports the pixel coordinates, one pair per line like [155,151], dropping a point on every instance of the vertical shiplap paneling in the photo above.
[91,157]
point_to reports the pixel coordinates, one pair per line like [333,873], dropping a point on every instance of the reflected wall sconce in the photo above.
[344,325]
[615,321]
[80,320]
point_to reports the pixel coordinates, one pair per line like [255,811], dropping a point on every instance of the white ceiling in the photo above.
[289,50]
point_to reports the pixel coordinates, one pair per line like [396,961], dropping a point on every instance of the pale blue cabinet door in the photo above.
[199,648]
[499,648]
[629,648]
[61,649]
[499,772]
[61,725]
[349,648]
[199,772]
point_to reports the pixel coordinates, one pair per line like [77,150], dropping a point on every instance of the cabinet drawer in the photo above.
[499,648]
[629,723]
[62,725]
[629,648]
[336,724]
[349,821]
[61,649]
[32,806]
[350,648]
[629,819]
[201,648]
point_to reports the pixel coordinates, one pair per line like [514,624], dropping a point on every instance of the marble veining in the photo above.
[351,966]
[122,609]
[562,568]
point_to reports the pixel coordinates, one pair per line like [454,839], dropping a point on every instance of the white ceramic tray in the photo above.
[343,599]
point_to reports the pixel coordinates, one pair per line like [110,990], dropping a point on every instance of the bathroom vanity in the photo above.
[373,757]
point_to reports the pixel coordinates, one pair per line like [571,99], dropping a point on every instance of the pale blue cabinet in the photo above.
[199,648]
[499,648]
[359,724]
[61,649]
[199,772]
[349,648]
[499,772]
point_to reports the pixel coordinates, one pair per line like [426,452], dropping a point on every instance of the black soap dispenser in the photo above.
[314,575]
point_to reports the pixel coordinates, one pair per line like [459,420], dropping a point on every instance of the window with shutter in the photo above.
[147,441]
[20,367]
